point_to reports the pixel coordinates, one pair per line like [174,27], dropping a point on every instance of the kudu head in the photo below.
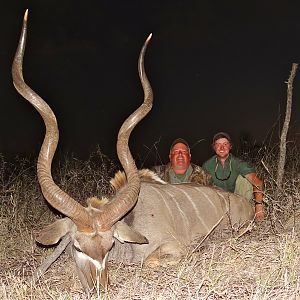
[91,229]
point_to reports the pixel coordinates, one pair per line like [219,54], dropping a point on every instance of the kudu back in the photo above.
[172,216]
[158,220]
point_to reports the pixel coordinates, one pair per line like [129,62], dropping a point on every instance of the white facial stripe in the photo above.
[96,263]
[104,261]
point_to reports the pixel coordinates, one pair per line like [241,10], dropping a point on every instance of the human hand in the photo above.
[259,212]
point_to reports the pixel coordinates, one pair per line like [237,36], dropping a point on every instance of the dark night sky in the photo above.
[213,65]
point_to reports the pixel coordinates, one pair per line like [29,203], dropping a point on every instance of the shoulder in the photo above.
[210,162]
[200,176]
[243,166]
[238,161]
[196,168]
[160,170]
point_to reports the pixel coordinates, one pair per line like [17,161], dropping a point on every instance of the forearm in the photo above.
[258,194]
[257,184]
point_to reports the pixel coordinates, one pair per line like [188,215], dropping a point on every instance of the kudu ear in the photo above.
[52,233]
[123,233]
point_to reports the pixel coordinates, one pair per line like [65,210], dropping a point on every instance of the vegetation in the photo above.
[261,264]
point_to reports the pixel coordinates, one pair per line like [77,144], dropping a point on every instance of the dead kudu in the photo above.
[158,220]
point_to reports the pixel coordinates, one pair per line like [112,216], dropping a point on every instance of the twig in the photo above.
[282,149]
[212,229]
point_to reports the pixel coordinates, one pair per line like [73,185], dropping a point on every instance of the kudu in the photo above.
[159,220]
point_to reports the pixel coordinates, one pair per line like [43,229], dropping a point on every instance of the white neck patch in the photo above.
[96,263]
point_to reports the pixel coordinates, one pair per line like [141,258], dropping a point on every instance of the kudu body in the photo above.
[171,216]
[158,219]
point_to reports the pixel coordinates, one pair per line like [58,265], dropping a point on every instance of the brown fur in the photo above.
[146,175]
[94,202]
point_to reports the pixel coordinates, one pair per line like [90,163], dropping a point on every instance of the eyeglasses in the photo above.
[230,169]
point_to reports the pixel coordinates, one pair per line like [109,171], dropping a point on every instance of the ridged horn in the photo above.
[52,193]
[125,200]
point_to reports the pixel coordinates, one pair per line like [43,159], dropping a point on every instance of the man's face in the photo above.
[222,148]
[180,158]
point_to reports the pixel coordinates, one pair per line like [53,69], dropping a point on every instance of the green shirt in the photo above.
[180,178]
[225,178]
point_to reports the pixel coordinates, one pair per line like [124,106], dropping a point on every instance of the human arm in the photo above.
[258,194]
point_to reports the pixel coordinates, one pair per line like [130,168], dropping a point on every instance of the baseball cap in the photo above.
[220,135]
[179,140]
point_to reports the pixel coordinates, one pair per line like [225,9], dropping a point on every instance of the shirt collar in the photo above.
[175,179]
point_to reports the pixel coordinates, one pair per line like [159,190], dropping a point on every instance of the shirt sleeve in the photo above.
[244,167]
[204,166]
[209,166]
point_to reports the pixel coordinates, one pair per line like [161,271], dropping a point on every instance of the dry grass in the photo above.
[263,264]
[258,266]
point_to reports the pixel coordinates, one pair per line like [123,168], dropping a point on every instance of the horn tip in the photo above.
[149,37]
[26,15]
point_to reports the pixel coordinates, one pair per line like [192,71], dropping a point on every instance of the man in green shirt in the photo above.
[180,169]
[233,174]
